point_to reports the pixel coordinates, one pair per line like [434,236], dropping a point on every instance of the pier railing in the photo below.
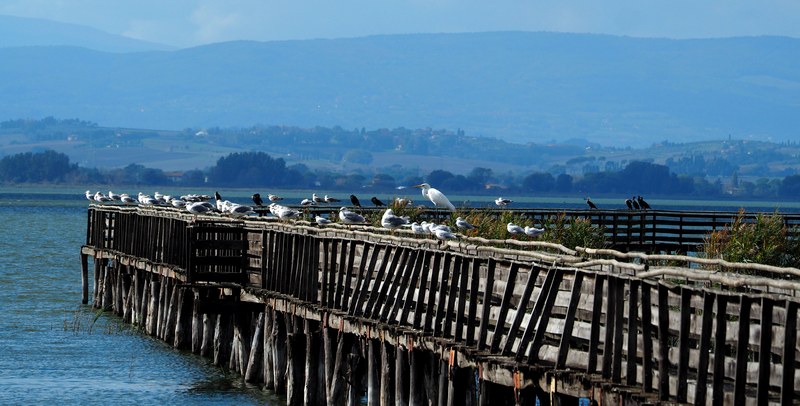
[555,314]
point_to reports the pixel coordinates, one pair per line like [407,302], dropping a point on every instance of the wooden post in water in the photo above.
[295,354]
[401,376]
[84,278]
[387,375]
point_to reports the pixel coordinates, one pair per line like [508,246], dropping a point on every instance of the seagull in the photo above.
[354,200]
[436,197]
[501,202]
[443,234]
[307,202]
[377,202]
[515,229]
[114,196]
[89,196]
[392,222]
[461,223]
[321,220]
[317,199]
[401,202]
[417,229]
[239,210]
[349,217]
[643,204]
[127,200]
[533,231]
[329,199]
[197,208]
[283,212]
[101,198]
[590,203]
[257,199]
[177,203]
[274,198]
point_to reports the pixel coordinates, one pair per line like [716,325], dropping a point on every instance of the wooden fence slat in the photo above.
[683,344]
[348,272]
[541,314]
[473,301]
[608,341]
[619,325]
[742,351]
[633,332]
[441,303]
[789,351]
[569,320]
[462,296]
[718,393]
[524,300]
[504,303]
[396,294]
[663,342]
[487,301]
[704,347]
[765,351]
[594,334]
[374,293]
[430,303]
[451,297]
[411,287]
[365,277]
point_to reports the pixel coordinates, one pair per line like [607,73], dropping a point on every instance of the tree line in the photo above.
[260,170]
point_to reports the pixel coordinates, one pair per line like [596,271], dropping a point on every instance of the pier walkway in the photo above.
[335,314]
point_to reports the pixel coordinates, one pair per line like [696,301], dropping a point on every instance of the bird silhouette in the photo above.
[354,200]
[217,196]
[629,204]
[257,199]
[634,203]
[590,203]
[377,202]
[643,204]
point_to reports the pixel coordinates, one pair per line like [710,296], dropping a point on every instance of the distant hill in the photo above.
[517,86]
[20,32]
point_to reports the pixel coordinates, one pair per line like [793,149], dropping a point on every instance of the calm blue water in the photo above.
[55,350]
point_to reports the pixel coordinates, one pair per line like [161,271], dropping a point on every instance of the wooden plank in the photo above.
[474,295]
[348,272]
[633,332]
[332,272]
[608,341]
[686,311]
[789,351]
[594,335]
[411,287]
[740,378]
[419,309]
[487,304]
[373,291]
[663,342]
[362,279]
[619,307]
[569,320]
[451,297]
[396,274]
[383,290]
[326,271]
[718,393]
[541,315]
[462,297]
[522,306]
[400,283]
[765,351]
[430,303]
[647,338]
[704,347]
[441,303]
[504,304]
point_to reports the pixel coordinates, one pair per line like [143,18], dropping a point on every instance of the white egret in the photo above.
[436,197]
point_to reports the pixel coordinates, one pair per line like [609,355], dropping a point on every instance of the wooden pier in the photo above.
[334,315]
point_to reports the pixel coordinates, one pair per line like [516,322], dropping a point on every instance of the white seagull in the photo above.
[515,229]
[101,198]
[501,202]
[321,220]
[349,217]
[114,196]
[317,199]
[461,223]
[329,199]
[417,229]
[392,222]
[443,234]
[197,208]
[283,212]
[436,197]
[89,196]
[274,198]
[533,231]
[126,200]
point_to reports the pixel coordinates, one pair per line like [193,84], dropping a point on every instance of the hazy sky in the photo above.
[193,22]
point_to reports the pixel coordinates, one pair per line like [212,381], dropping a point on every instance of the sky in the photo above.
[186,23]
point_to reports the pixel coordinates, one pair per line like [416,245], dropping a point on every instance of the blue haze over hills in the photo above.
[517,86]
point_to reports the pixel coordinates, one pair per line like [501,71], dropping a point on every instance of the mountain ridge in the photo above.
[516,86]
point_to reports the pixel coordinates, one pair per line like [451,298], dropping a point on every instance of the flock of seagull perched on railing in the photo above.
[201,204]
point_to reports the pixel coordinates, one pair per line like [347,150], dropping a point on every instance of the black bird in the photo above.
[643,204]
[377,202]
[634,203]
[629,204]
[354,200]
[590,203]
[217,196]
[257,199]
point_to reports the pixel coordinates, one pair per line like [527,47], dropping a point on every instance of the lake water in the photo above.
[53,350]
